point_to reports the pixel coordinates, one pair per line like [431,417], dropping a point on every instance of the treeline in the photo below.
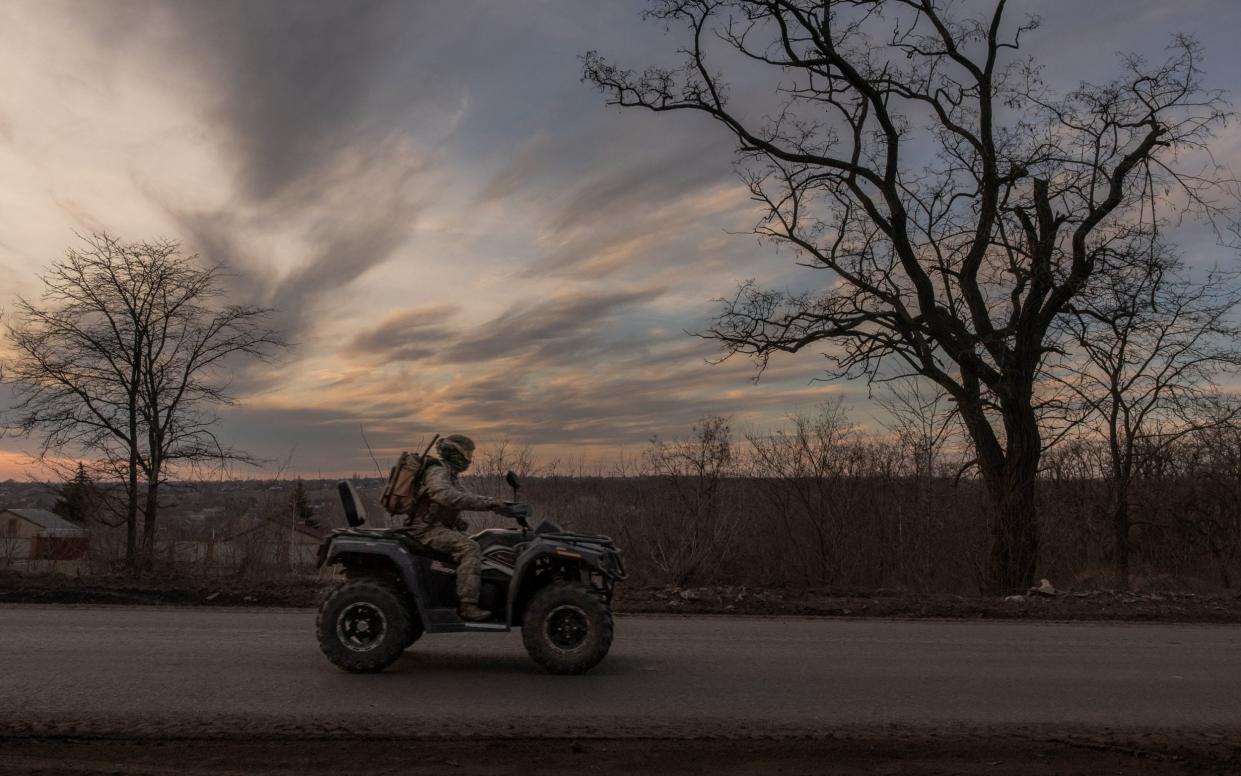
[819,503]
[822,503]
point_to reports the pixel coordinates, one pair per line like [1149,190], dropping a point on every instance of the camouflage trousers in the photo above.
[463,550]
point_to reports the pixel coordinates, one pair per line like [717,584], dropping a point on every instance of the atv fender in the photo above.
[342,548]
[583,560]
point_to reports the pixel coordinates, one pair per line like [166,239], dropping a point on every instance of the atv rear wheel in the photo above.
[415,630]
[364,625]
[567,628]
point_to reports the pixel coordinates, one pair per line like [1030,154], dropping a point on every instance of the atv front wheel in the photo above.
[567,628]
[364,625]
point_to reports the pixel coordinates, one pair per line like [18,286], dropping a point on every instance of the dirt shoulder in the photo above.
[1093,605]
[888,752]
[160,591]
[1085,605]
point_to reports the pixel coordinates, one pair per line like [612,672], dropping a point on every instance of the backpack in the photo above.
[401,493]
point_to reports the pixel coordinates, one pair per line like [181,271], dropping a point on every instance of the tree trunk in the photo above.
[131,492]
[131,508]
[1014,490]
[149,524]
[1014,532]
[131,515]
[1010,474]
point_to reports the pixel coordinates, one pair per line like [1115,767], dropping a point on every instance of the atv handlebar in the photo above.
[518,511]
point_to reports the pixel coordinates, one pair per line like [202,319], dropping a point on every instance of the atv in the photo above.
[555,585]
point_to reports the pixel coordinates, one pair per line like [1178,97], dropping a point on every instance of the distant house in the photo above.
[39,539]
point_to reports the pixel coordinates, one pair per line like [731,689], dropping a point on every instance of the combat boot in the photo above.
[471,612]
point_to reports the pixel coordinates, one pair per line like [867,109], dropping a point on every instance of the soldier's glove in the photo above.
[516,510]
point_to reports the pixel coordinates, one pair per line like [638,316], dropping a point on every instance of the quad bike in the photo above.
[555,585]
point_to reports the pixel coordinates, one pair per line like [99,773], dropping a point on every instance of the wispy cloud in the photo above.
[407,335]
[562,328]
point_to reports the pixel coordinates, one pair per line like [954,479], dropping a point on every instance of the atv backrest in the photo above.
[355,512]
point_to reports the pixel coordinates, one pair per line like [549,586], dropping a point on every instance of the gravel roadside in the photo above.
[1091,605]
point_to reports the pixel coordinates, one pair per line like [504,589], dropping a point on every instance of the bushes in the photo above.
[823,504]
[820,503]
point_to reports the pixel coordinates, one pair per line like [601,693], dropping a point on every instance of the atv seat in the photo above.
[401,535]
[355,513]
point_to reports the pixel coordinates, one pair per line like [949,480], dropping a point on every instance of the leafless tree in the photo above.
[77,369]
[191,341]
[491,463]
[1210,460]
[690,532]
[122,357]
[494,461]
[924,419]
[954,203]
[803,472]
[1155,343]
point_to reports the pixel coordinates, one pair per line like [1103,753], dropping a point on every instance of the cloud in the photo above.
[627,186]
[312,112]
[606,201]
[524,166]
[455,230]
[619,401]
[295,84]
[567,329]
[560,328]
[413,334]
[319,440]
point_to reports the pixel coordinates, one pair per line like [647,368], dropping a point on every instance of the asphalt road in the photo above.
[147,671]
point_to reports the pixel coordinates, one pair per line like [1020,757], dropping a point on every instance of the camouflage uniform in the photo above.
[436,520]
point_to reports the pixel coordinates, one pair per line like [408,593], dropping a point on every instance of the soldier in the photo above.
[436,519]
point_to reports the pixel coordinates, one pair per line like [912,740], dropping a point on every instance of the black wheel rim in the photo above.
[567,627]
[361,626]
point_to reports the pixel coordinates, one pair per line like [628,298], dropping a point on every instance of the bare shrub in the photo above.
[688,523]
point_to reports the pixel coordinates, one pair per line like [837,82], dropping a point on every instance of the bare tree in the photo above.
[1155,343]
[77,368]
[191,341]
[955,205]
[494,461]
[924,419]
[803,473]
[1210,460]
[689,534]
[121,358]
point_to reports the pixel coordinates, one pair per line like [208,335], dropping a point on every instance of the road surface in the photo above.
[150,672]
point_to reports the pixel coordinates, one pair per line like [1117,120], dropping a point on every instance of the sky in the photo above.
[455,232]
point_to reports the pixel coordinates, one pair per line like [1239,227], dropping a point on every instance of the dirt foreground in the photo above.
[855,753]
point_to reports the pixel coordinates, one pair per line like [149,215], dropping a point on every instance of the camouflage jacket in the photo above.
[441,499]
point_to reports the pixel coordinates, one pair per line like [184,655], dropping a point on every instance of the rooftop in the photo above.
[51,523]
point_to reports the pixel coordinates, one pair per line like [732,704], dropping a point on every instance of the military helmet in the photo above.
[456,450]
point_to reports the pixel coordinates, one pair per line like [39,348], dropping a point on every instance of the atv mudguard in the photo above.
[583,560]
[407,564]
